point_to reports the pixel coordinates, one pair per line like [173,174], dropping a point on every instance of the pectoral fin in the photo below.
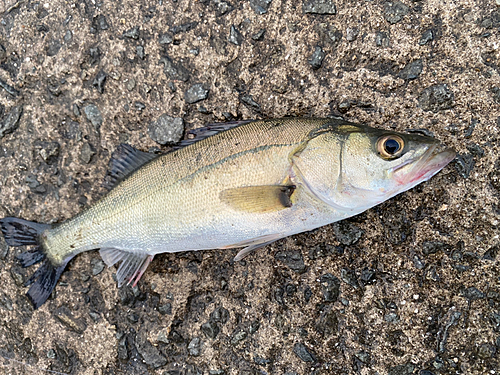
[255,199]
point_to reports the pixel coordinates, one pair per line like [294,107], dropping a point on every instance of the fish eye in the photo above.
[390,146]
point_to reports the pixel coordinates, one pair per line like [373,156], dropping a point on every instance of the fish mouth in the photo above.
[433,160]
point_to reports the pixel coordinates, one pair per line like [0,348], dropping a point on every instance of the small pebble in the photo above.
[210,329]
[304,353]
[235,36]
[194,347]
[11,121]
[319,7]
[382,39]
[166,129]
[351,33]
[260,6]
[165,38]
[427,37]
[331,287]
[317,57]
[139,50]
[132,33]
[259,35]
[412,70]
[131,84]
[436,98]
[196,93]
[93,115]
[394,11]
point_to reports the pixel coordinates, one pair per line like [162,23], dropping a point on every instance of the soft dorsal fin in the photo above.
[126,160]
[208,131]
[264,198]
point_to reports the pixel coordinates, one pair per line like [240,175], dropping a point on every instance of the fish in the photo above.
[240,185]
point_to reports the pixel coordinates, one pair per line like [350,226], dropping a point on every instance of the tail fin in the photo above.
[19,232]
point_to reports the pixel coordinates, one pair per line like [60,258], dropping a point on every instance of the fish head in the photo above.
[371,166]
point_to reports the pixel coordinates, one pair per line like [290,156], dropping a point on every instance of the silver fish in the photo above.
[240,185]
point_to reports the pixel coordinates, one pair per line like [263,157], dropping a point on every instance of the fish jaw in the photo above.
[436,158]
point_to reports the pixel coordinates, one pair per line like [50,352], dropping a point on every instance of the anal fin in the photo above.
[132,267]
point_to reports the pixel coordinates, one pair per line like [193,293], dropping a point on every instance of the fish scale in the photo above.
[161,205]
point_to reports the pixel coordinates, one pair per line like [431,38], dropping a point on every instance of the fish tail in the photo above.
[19,232]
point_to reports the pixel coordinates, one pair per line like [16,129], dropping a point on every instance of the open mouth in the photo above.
[434,159]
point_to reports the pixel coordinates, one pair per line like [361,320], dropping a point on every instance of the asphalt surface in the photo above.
[409,287]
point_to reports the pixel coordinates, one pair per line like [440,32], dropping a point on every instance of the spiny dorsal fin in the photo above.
[264,198]
[208,131]
[124,161]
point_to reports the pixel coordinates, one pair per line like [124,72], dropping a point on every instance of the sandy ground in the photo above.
[409,287]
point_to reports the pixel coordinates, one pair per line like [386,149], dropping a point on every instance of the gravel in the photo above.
[93,115]
[66,317]
[304,353]
[472,293]
[394,11]
[165,309]
[331,287]
[194,347]
[464,163]
[486,351]
[351,33]
[347,233]
[48,151]
[382,39]
[328,323]
[4,249]
[317,57]
[11,90]
[292,259]
[319,7]
[436,98]
[238,336]
[53,47]
[249,101]
[235,36]
[150,354]
[427,36]
[165,38]
[412,70]
[174,70]
[139,50]
[184,28]
[260,6]
[11,121]
[222,7]
[210,329]
[406,369]
[68,36]
[97,266]
[86,153]
[99,81]
[166,129]
[196,93]
[132,33]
